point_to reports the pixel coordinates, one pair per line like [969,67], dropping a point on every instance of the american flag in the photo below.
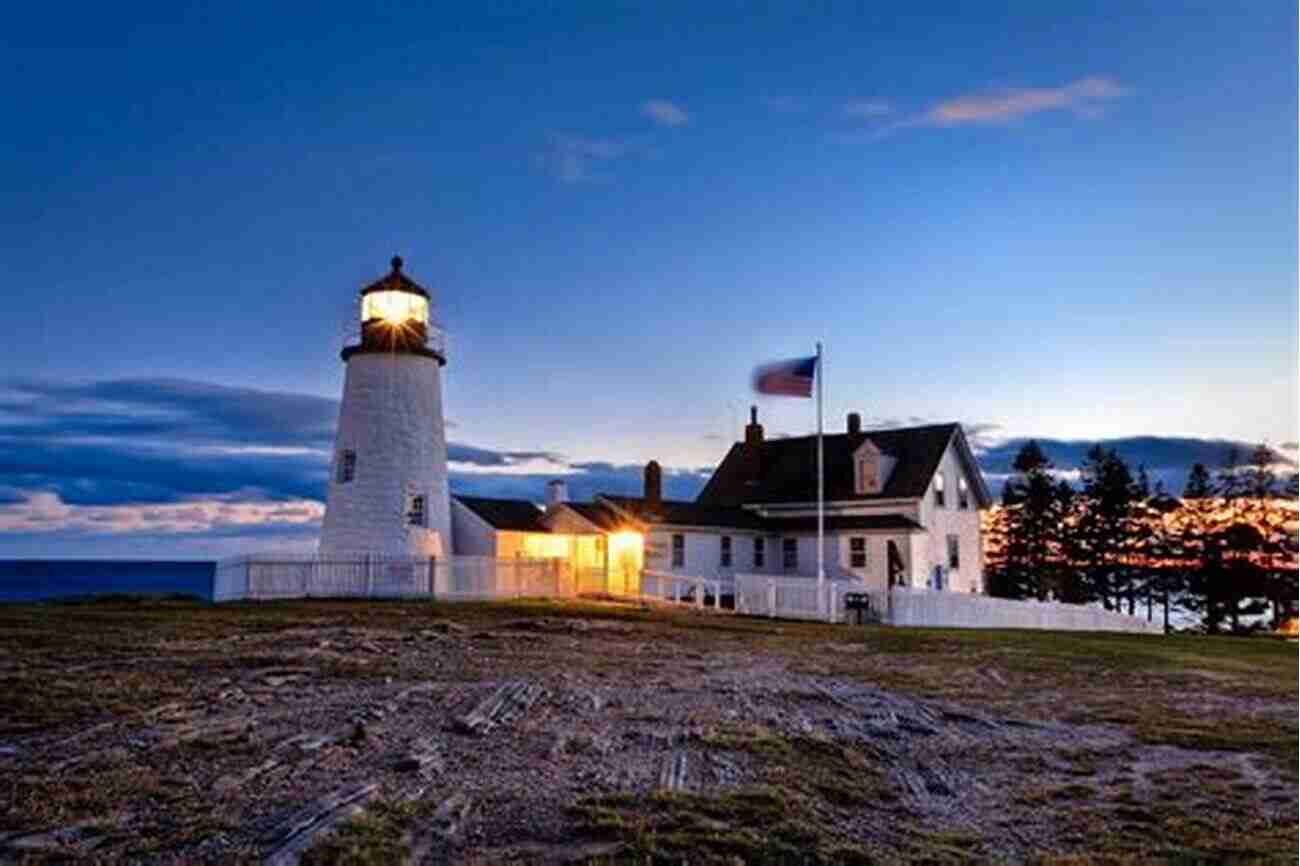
[792,378]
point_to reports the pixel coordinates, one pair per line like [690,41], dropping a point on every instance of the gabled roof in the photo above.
[601,516]
[513,515]
[677,513]
[788,467]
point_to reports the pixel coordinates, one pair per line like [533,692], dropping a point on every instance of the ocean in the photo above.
[45,579]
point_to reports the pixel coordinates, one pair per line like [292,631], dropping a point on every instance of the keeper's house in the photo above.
[901,507]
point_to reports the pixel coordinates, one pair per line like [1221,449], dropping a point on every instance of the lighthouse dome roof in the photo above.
[396,281]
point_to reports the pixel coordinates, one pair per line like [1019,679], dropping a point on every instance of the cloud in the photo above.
[575,158]
[96,468]
[1167,458]
[1086,97]
[665,113]
[866,109]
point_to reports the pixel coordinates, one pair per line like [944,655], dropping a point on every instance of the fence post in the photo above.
[699,594]
[771,598]
[433,571]
[370,577]
[248,577]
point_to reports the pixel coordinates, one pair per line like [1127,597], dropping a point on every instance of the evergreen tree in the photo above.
[1028,561]
[1229,481]
[1258,481]
[1198,483]
[1107,529]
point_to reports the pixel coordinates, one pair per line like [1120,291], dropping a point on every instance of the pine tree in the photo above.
[1198,483]
[1107,529]
[1028,562]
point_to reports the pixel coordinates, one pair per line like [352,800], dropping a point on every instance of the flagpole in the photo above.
[821,490]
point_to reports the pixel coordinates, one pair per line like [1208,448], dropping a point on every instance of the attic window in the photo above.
[867,482]
[963,497]
[938,490]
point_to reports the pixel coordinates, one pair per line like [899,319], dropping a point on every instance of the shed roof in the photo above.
[513,515]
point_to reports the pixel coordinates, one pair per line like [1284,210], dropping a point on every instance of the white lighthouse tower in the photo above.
[388,493]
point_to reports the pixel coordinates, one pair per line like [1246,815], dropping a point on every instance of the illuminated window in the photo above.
[347,468]
[724,554]
[679,550]
[938,490]
[867,476]
[857,552]
[954,553]
[415,512]
[395,307]
[758,553]
[789,553]
[963,498]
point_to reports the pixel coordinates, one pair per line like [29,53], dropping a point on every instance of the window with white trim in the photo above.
[963,493]
[954,553]
[724,552]
[759,553]
[938,490]
[789,553]
[858,552]
[679,550]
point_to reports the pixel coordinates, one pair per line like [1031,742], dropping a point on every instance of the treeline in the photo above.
[1225,551]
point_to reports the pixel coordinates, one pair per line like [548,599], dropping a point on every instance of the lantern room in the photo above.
[395,317]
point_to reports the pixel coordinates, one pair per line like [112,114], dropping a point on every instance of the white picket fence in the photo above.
[478,578]
[459,578]
[926,607]
[793,597]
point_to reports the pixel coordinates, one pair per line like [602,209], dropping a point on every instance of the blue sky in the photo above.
[1075,226]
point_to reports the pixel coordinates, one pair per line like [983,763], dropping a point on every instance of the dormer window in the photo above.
[871,468]
[938,490]
[963,493]
[867,482]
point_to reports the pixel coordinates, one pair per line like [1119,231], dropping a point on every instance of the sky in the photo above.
[1072,225]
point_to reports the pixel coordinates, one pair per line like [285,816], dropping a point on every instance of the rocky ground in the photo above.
[345,732]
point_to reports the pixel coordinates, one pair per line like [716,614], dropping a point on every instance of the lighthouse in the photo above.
[388,493]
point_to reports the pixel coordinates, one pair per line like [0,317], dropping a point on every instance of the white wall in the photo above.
[471,535]
[941,522]
[391,416]
[703,552]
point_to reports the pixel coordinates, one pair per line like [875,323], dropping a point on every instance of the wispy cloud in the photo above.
[1086,97]
[860,109]
[575,158]
[665,113]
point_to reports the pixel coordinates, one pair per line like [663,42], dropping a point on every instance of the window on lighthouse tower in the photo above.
[415,511]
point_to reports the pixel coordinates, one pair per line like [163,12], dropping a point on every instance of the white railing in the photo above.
[700,592]
[927,607]
[460,578]
[793,597]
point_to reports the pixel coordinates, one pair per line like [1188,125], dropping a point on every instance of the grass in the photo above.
[65,668]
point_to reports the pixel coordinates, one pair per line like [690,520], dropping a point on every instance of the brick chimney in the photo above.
[855,423]
[752,450]
[557,492]
[654,486]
